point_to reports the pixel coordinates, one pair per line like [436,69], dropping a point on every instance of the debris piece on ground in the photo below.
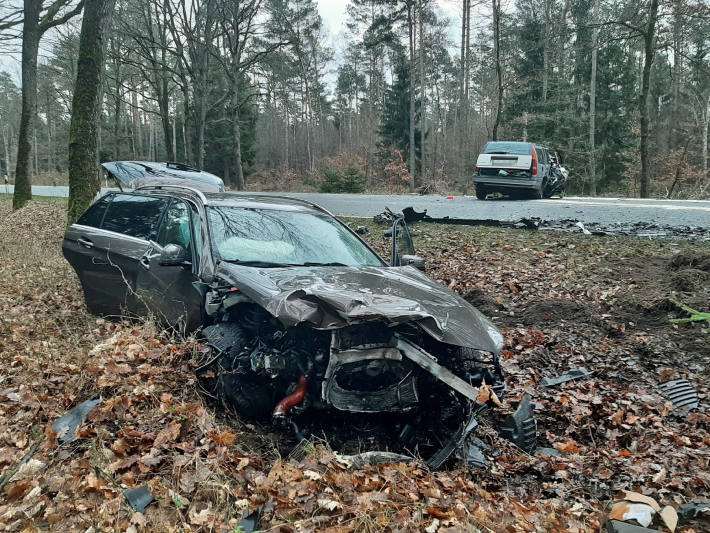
[361,230]
[410,215]
[521,428]
[584,230]
[567,376]
[375,457]
[681,393]
[548,451]
[625,511]
[688,511]
[670,517]
[473,453]
[614,526]
[633,506]
[65,426]
[249,521]
[138,498]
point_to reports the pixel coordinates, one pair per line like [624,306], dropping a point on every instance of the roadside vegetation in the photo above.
[564,301]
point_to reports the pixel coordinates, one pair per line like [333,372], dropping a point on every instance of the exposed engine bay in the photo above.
[374,383]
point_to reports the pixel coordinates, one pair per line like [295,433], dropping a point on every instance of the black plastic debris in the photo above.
[138,498]
[689,511]
[66,425]
[362,230]
[681,393]
[521,428]
[249,521]
[614,526]
[410,215]
[473,452]
[567,376]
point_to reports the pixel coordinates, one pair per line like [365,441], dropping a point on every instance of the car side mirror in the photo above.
[174,255]
[415,261]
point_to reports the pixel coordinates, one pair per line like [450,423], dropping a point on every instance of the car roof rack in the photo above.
[179,188]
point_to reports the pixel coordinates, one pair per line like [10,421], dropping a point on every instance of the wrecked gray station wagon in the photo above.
[301,315]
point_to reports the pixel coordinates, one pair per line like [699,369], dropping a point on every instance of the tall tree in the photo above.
[86,108]
[39,16]
[498,67]
[592,104]
[649,36]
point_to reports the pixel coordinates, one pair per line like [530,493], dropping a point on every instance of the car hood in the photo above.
[334,297]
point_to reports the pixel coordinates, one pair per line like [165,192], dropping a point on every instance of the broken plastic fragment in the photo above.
[548,451]
[688,511]
[65,426]
[567,376]
[138,498]
[584,230]
[521,427]
[681,393]
[625,511]
[249,522]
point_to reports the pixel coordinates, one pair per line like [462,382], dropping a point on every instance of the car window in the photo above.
[175,227]
[507,147]
[285,237]
[93,216]
[134,215]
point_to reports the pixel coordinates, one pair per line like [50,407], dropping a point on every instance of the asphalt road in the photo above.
[668,213]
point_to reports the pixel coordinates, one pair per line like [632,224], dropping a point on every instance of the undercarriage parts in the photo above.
[292,399]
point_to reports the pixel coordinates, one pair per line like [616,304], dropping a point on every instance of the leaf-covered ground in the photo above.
[563,301]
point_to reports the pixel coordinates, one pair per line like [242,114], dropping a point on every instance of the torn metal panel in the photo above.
[567,376]
[681,393]
[138,498]
[67,424]
[334,297]
[429,363]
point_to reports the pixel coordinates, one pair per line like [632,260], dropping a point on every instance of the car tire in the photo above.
[537,194]
[481,192]
[249,396]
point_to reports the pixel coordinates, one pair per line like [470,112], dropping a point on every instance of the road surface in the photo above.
[666,213]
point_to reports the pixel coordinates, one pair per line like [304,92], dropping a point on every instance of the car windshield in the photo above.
[514,148]
[272,238]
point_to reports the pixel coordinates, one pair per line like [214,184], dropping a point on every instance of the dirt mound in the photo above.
[689,279]
[642,313]
[482,301]
[36,221]
[691,259]
[546,312]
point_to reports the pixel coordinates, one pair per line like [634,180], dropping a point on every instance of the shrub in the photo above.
[352,180]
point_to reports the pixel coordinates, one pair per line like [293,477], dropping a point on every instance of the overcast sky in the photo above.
[334,16]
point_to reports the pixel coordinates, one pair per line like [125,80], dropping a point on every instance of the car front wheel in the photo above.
[481,192]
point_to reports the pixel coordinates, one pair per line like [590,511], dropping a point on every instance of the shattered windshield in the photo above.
[505,147]
[269,237]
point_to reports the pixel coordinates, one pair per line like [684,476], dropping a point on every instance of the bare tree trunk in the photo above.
[592,104]
[546,51]
[499,73]
[6,145]
[462,115]
[236,129]
[706,122]
[30,48]
[86,108]
[412,95]
[422,87]
[649,49]
[137,140]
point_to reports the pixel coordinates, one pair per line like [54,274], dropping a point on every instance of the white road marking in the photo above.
[624,204]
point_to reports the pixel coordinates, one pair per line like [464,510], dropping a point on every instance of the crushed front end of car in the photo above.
[374,358]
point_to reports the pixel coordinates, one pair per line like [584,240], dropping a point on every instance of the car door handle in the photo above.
[86,243]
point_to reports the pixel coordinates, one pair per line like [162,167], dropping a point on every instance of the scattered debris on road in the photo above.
[567,376]
[66,426]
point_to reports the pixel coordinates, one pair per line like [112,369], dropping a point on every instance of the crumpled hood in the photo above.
[333,297]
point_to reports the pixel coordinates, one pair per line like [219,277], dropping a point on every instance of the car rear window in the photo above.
[137,216]
[93,216]
[507,147]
